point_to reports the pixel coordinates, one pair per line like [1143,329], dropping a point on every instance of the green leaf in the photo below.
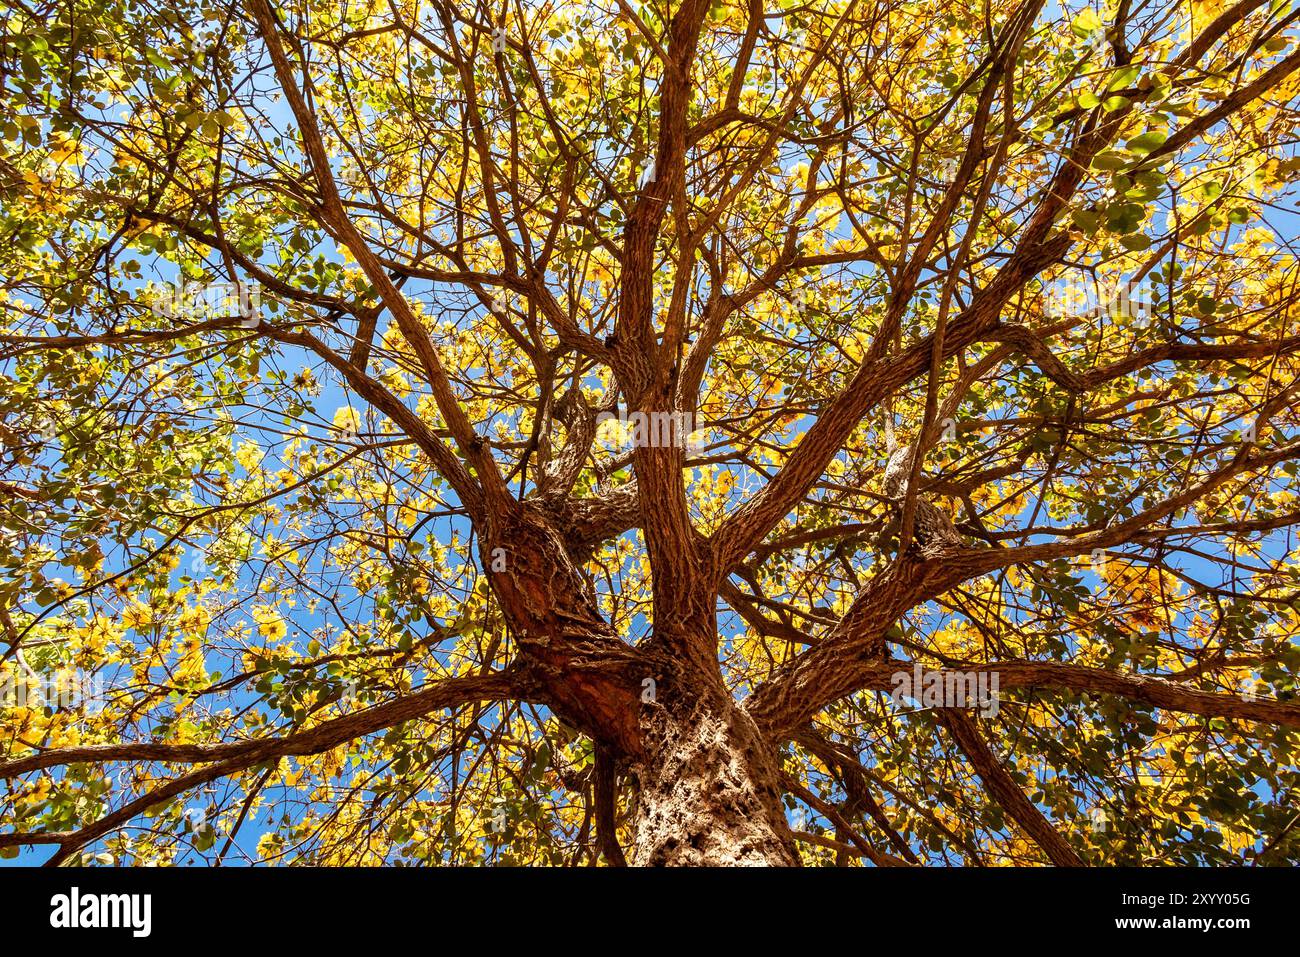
[1110,160]
[1085,24]
[1086,219]
[1123,77]
[1147,141]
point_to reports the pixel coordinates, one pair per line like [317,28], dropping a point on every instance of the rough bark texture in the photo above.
[709,792]
[566,650]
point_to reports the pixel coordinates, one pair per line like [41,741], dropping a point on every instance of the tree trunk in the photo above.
[708,791]
[708,781]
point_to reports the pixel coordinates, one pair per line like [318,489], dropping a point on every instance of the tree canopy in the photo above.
[822,431]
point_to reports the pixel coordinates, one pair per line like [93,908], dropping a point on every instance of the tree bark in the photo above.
[709,790]
[708,781]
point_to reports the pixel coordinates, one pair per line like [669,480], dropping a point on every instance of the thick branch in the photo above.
[1005,791]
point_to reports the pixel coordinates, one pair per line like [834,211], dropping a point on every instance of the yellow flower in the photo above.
[346,417]
[270,844]
[249,456]
[94,637]
[269,623]
[195,619]
[191,666]
[136,616]
[65,150]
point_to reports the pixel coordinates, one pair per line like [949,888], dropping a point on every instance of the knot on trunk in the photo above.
[933,533]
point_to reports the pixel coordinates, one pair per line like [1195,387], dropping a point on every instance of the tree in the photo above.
[694,433]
